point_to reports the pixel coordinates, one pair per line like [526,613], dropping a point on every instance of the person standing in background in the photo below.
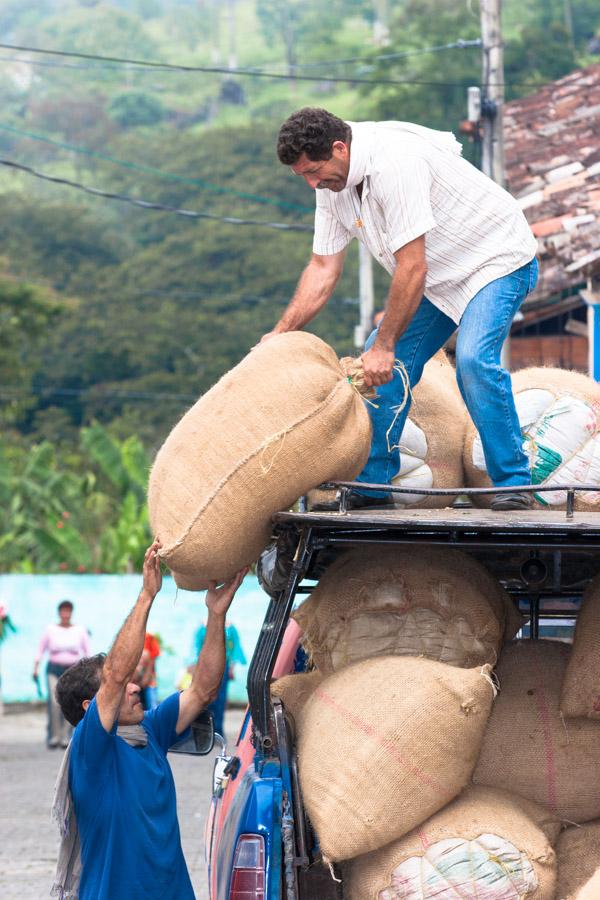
[234,654]
[145,674]
[65,644]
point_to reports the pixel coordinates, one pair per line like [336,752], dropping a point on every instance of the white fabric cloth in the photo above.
[415,182]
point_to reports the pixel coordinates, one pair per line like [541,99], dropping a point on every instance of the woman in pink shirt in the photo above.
[65,644]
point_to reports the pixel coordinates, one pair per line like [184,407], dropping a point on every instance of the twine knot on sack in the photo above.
[353,370]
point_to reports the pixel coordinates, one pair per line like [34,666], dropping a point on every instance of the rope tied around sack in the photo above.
[353,370]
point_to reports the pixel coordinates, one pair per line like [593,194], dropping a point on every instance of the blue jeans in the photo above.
[485,386]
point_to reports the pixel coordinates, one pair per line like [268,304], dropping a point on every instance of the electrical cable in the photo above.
[460,44]
[150,170]
[224,70]
[146,204]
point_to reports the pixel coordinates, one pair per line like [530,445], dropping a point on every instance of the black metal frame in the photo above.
[469,529]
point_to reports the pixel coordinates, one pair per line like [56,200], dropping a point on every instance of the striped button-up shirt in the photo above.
[414,182]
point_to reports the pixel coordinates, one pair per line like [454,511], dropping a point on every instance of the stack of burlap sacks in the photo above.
[559,414]
[419,781]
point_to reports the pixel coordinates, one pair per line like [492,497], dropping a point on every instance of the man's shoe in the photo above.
[355,501]
[512,500]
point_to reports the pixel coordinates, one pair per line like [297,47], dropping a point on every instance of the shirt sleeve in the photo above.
[85,642]
[43,646]
[162,721]
[405,186]
[330,235]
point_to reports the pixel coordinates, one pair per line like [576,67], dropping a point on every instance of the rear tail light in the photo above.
[248,875]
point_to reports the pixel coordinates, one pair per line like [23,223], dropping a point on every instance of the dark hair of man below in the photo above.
[311,131]
[65,604]
[80,682]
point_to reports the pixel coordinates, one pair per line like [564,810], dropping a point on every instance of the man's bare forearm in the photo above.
[210,666]
[127,649]
[405,294]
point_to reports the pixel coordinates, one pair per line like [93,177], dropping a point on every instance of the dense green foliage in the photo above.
[115,318]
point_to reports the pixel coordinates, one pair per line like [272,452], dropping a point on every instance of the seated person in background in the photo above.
[115,796]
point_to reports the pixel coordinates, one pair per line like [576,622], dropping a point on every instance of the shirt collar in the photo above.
[360,153]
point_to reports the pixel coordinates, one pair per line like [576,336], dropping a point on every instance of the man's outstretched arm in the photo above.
[210,667]
[405,295]
[312,293]
[126,651]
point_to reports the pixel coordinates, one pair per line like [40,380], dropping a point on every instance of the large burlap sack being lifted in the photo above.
[384,744]
[578,857]
[282,421]
[486,844]
[377,601]
[559,414]
[529,746]
[580,695]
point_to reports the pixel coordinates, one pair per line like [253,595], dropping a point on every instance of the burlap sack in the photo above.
[431,443]
[282,421]
[486,844]
[559,412]
[529,746]
[578,857]
[376,601]
[580,695]
[384,744]
[295,690]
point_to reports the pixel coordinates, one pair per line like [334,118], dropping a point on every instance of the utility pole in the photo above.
[492,80]
[492,105]
[365,294]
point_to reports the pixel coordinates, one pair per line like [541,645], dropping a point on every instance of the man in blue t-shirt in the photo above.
[116,778]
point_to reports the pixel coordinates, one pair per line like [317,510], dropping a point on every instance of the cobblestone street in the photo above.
[28,840]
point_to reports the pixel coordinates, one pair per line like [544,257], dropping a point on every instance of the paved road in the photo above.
[28,840]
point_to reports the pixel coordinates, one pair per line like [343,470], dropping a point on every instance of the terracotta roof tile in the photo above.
[553,166]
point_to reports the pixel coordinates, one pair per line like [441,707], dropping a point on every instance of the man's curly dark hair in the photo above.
[80,682]
[311,131]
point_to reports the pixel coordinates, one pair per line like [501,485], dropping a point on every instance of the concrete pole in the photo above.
[493,90]
[492,145]
[366,296]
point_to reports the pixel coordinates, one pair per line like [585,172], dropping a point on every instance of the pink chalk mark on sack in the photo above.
[423,777]
[544,714]
[596,706]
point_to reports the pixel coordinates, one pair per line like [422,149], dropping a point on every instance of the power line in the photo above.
[460,44]
[151,170]
[223,70]
[146,204]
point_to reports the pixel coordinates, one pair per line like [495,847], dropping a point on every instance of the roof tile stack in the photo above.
[552,148]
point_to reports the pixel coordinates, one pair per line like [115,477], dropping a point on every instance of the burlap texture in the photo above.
[578,857]
[580,695]
[384,744]
[375,601]
[528,827]
[281,422]
[560,382]
[438,409]
[295,690]
[529,746]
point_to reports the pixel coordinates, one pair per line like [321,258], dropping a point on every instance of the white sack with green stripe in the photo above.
[559,414]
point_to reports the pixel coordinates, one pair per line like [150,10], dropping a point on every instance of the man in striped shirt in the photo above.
[459,252]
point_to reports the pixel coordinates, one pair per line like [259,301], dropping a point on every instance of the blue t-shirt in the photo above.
[126,810]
